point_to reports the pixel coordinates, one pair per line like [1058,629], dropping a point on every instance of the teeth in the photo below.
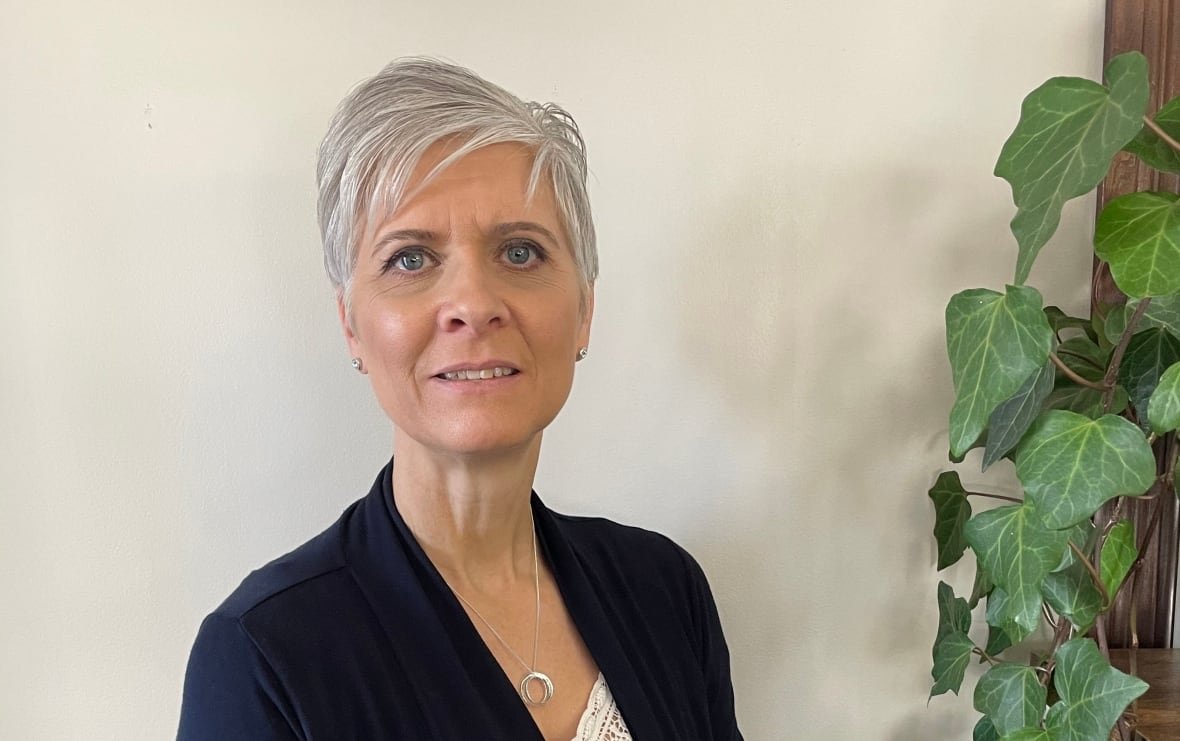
[478,374]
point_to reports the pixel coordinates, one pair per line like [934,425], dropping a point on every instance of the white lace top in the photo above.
[601,720]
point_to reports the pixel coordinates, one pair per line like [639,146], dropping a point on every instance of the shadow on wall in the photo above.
[826,346]
[735,339]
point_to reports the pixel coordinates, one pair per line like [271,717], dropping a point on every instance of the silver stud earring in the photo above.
[582,353]
[358,365]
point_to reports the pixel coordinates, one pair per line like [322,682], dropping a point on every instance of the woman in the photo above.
[450,603]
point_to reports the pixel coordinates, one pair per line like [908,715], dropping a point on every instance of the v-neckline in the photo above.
[429,625]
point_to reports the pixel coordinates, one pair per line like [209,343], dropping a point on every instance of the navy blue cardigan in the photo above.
[354,635]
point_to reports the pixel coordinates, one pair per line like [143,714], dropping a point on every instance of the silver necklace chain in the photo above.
[533,674]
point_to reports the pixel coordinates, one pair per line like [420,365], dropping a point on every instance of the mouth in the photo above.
[477,374]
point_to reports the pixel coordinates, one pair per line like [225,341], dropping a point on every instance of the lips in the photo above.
[477,374]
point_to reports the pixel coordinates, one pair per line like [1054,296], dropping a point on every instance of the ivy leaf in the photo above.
[1163,410]
[1073,398]
[1029,734]
[952,648]
[999,617]
[998,641]
[1071,592]
[1148,355]
[1066,588]
[954,616]
[1069,130]
[951,656]
[1011,696]
[995,342]
[1012,418]
[1079,535]
[1060,322]
[1116,321]
[1139,235]
[1118,554]
[979,443]
[1162,312]
[1070,464]
[1083,356]
[981,588]
[1153,150]
[1017,551]
[951,510]
[984,731]
[1093,693]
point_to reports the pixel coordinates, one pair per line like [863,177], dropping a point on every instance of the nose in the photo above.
[472,297]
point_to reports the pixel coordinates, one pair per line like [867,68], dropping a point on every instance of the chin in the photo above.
[476,440]
[485,448]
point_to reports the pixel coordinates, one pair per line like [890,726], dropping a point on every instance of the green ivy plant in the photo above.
[1086,409]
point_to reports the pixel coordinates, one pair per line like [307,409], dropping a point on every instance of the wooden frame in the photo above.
[1152,27]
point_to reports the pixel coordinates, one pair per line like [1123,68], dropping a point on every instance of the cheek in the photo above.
[394,339]
[560,330]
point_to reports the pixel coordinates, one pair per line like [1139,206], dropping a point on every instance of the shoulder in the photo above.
[634,553]
[315,561]
[602,533]
[232,687]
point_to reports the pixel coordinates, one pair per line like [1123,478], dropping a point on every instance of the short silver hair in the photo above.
[382,128]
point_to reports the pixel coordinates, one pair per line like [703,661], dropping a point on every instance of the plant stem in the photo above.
[1064,627]
[1133,664]
[1093,573]
[994,496]
[1161,133]
[1168,479]
[1048,617]
[1124,730]
[1116,360]
[1108,599]
[1152,526]
[1115,515]
[1072,375]
[1100,620]
[1134,625]
[984,655]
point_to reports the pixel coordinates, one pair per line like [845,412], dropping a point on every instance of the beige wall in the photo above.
[787,193]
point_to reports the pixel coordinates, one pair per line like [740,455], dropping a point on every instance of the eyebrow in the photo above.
[503,230]
[425,235]
[404,235]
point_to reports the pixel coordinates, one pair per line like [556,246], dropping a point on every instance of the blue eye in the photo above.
[411,261]
[407,261]
[522,253]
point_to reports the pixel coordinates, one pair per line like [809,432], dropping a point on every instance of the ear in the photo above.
[587,317]
[354,345]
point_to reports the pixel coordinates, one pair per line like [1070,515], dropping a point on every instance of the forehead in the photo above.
[491,182]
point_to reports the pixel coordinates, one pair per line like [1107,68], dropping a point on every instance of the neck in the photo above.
[470,514]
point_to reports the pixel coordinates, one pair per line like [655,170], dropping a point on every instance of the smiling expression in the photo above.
[467,306]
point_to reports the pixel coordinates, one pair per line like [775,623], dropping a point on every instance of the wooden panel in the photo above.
[1159,709]
[1152,27]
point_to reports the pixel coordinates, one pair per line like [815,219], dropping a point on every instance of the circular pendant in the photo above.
[526,688]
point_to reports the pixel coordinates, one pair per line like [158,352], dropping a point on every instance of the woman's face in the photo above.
[467,309]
